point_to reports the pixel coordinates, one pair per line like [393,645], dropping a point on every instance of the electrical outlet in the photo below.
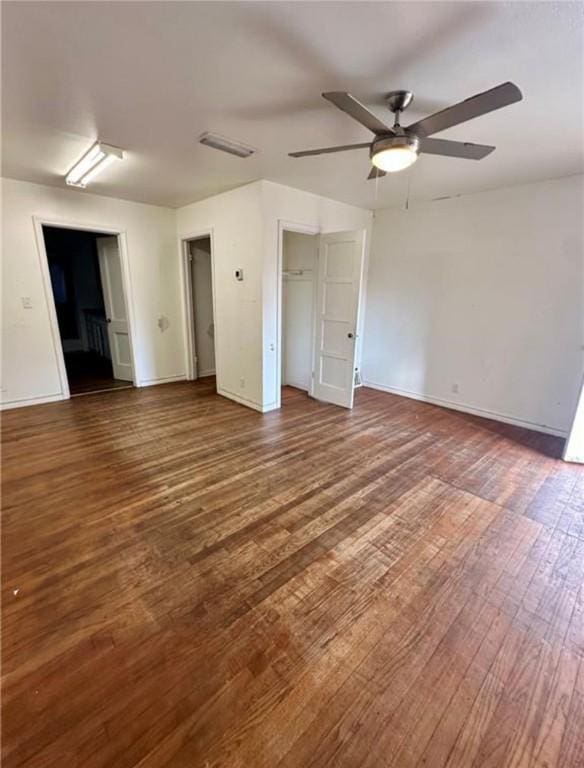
[26,302]
[454,388]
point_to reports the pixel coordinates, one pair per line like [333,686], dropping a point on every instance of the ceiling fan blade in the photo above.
[326,150]
[357,111]
[462,149]
[376,173]
[497,97]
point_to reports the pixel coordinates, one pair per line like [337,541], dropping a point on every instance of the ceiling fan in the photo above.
[396,148]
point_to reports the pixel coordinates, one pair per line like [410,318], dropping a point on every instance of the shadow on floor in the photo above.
[88,372]
[548,445]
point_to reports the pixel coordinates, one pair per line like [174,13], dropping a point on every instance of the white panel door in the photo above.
[110,268]
[340,266]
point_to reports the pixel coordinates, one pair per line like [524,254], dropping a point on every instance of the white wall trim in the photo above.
[506,419]
[162,380]
[297,385]
[7,405]
[243,401]
[303,229]
[187,299]
[38,223]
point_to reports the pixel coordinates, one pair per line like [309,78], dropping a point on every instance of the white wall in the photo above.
[202,293]
[284,205]
[234,220]
[29,364]
[299,255]
[245,234]
[486,293]
[244,225]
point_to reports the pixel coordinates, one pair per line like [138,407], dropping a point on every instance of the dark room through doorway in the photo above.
[87,285]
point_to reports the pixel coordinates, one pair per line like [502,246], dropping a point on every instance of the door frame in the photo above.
[38,223]
[303,229]
[187,300]
[569,454]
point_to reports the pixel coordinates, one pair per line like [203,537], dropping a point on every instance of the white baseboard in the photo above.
[506,419]
[203,374]
[296,385]
[242,400]
[271,407]
[9,404]
[162,380]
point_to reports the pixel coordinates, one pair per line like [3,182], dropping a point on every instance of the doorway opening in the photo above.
[200,308]
[321,277]
[299,268]
[87,286]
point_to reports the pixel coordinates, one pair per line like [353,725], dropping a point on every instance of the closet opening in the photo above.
[200,308]
[299,272]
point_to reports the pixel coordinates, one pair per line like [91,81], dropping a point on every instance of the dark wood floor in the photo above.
[190,584]
[87,372]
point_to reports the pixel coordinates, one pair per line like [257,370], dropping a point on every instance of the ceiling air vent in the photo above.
[226,145]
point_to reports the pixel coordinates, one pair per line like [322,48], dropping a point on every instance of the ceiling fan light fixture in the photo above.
[395,153]
[394,159]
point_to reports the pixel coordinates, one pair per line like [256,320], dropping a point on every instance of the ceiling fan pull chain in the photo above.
[407,206]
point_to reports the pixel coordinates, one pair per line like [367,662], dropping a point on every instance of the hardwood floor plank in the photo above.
[188,582]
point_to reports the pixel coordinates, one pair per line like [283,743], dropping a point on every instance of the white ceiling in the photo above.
[150,77]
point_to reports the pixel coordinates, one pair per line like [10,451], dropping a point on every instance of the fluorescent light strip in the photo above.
[226,145]
[86,163]
[103,163]
[93,162]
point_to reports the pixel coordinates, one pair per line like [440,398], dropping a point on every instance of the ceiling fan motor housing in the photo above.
[397,101]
